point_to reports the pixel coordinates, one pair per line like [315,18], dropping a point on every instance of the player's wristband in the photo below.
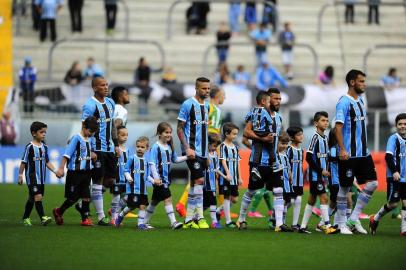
[115,141]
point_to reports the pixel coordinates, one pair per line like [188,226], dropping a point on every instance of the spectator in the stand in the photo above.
[250,16]
[269,13]
[142,72]
[326,77]
[35,15]
[373,7]
[349,11]
[391,80]
[111,14]
[267,76]
[48,10]
[234,16]
[241,77]
[287,41]
[7,130]
[168,76]
[261,38]
[92,69]
[222,75]
[223,36]
[196,17]
[75,10]
[28,77]
[74,75]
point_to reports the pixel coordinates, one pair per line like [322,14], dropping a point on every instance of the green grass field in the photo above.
[72,246]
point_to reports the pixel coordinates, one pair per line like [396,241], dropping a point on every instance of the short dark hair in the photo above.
[292,131]
[91,124]
[228,127]
[399,117]
[352,75]
[36,126]
[115,93]
[319,115]
[120,128]
[202,79]
[273,90]
[214,138]
[260,96]
[391,70]
[214,90]
[284,137]
[96,78]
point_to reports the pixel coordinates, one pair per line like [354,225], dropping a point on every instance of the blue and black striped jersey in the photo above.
[104,112]
[121,166]
[161,157]
[318,149]
[295,157]
[210,178]
[35,159]
[396,146]
[333,164]
[352,114]
[196,118]
[139,169]
[78,152]
[286,169]
[232,157]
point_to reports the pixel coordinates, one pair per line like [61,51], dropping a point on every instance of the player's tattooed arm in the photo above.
[190,153]
[250,134]
[117,150]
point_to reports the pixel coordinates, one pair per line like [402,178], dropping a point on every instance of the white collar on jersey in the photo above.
[99,101]
[321,135]
[86,140]
[33,144]
[350,97]
[204,102]
[165,146]
[400,137]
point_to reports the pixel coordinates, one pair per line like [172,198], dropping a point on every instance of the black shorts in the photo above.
[105,165]
[268,178]
[209,198]
[77,185]
[333,192]
[221,189]
[118,188]
[160,193]
[197,168]
[36,189]
[317,187]
[287,196]
[135,200]
[297,191]
[363,168]
[396,190]
[230,190]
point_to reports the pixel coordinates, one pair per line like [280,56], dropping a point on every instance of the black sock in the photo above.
[40,209]
[85,210]
[66,204]
[28,208]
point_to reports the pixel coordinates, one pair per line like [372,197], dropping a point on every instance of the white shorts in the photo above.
[287,57]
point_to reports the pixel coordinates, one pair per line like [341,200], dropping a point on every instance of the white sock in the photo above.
[342,205]
[191,205]
[213,214]
[97,198]
[220,208]
[383,211]
[336,218]
[306,215]
[348,213]
[198,191]
[115,205]
[227,214]
[403,223]
[296,209]
[125,211]
[363,199]
[141,217]
[325,215]
[170,213]
[149,212]
[278,204]
[246,200]
[285,210]
[330,211]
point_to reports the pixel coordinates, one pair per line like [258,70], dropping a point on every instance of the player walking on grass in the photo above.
[396,175]
[78,160]
[317,158]
[355,159]
[192,131]
[104,144]
[34,163]
[162,154]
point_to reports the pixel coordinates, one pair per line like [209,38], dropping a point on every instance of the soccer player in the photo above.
[137,174]
[355,159]
[78,160]
[283,159]
[295,155]
[217,97]
[104,144]
[119,187]
[192,131]
[162,154]
[120,96]
[230,159]
[317,158]
[333,180]
[34,162]
[396,175]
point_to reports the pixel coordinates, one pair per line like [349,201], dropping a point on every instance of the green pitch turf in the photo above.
[73,247]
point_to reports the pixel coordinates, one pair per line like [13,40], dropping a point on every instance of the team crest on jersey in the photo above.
[72,189]
[320,187]
[135,199]
[348,173]
[35,189]
[196,165]
[98,164]
[395,195]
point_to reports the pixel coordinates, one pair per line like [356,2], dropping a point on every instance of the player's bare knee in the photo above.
[234,199]
[199,181]
[168,201]
[323,198]
[38,197]
[371,186]
[86,199]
